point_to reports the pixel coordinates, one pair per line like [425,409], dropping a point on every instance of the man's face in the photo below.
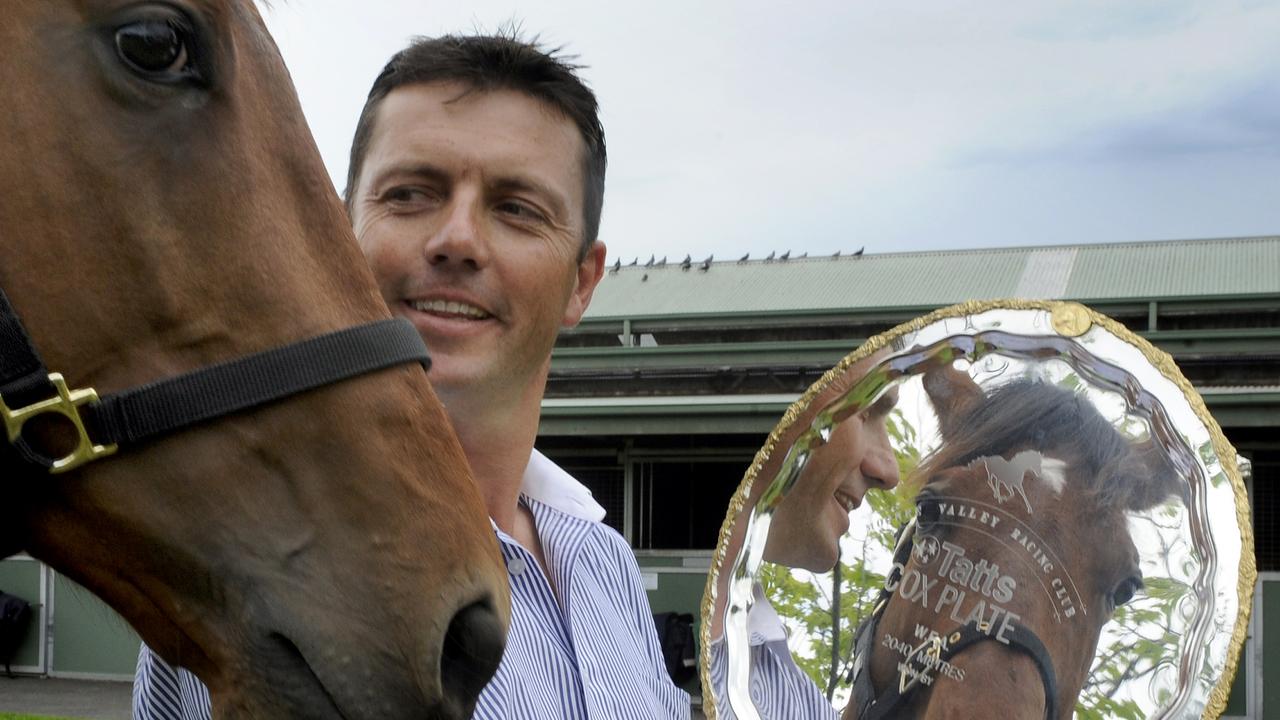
[469,210]
[807,526]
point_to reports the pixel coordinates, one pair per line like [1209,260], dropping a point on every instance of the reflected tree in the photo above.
[1143,636]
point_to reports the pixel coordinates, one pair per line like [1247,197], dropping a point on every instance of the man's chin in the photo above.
[815,560]
[452,376]
[471,384]
[485,380]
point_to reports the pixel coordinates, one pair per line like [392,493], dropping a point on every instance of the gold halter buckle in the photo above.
[66,404]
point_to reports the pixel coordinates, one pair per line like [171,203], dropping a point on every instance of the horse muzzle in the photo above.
[316,675]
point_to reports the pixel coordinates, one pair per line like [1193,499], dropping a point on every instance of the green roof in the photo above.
[1182,268]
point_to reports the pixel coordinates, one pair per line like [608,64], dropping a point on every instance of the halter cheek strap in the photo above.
[933,652]
[28,389]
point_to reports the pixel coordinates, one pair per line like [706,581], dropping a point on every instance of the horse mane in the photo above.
[1033,414]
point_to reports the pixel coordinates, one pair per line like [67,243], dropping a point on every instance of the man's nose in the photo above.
[880,464]
[461,240]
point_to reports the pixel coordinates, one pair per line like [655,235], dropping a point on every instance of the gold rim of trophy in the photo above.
[1069,320]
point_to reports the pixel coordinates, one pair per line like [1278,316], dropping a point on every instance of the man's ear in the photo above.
[589,272]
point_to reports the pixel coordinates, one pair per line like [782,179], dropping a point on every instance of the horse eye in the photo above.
[1125,591]
[154,48]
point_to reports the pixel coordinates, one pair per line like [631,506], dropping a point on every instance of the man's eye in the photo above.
[405,195]
[519,210]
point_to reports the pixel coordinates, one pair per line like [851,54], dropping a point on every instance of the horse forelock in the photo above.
[1070,435]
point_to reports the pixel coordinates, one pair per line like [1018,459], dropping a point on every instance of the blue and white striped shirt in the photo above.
[583,645]
[779,689]
[163,692]
[592,637]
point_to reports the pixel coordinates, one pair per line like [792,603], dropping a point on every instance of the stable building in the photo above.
[660,398]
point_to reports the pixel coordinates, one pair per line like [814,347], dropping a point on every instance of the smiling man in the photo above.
[475,189]
[804,533]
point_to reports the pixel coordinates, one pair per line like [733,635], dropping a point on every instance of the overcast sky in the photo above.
[738,127]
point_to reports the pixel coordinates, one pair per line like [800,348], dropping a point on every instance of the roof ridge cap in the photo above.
[1005,249]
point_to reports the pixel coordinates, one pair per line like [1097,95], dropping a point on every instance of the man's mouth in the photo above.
[450,309]
[849,502]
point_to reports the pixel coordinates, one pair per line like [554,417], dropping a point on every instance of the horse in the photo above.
[162,209]
[1018,555]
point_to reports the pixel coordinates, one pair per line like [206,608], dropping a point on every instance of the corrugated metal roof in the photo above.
[1232,266]
[1202,267]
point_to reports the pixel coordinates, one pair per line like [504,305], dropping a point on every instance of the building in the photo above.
[661,397]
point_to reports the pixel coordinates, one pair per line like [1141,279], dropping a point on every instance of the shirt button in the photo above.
[517,566]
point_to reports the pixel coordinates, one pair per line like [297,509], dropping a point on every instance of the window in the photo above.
[605,478]
[680,504]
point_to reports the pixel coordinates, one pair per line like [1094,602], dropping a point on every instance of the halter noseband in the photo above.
[28,389]
[933,652]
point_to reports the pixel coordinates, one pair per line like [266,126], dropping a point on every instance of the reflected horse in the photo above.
[1019,554]
[163,208]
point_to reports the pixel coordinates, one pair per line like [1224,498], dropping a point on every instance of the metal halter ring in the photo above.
[67,403]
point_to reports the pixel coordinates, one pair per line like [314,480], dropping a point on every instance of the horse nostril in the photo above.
[472,648]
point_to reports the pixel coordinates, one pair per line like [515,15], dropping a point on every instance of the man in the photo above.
[805,533]
[475,188]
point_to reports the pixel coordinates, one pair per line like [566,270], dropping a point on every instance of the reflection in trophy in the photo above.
[1062,541]
[856,457]
[852,456]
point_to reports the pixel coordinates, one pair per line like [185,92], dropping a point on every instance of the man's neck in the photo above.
[497,438]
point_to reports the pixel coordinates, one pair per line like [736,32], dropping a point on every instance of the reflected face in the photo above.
[469,210]
[807,526]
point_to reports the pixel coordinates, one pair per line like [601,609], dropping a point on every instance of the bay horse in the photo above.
[1018,555]
[163,208]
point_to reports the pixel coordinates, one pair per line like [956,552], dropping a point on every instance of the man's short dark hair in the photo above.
[495,62]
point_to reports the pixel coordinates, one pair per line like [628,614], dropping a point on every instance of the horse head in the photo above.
[163,208]
[1019,554]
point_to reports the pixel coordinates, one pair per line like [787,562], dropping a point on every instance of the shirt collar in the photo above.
[547,483]
[763,622]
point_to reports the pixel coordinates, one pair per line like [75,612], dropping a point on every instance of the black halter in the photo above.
[28,389]
[932,653]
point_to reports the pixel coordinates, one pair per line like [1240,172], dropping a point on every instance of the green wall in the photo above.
[89,637]
[21,577]
[1271,649]
[677,592]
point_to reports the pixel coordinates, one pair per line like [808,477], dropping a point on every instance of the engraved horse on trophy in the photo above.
[1005,477]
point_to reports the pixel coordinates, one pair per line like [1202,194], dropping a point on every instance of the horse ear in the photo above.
[953,394]
[1151,478]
